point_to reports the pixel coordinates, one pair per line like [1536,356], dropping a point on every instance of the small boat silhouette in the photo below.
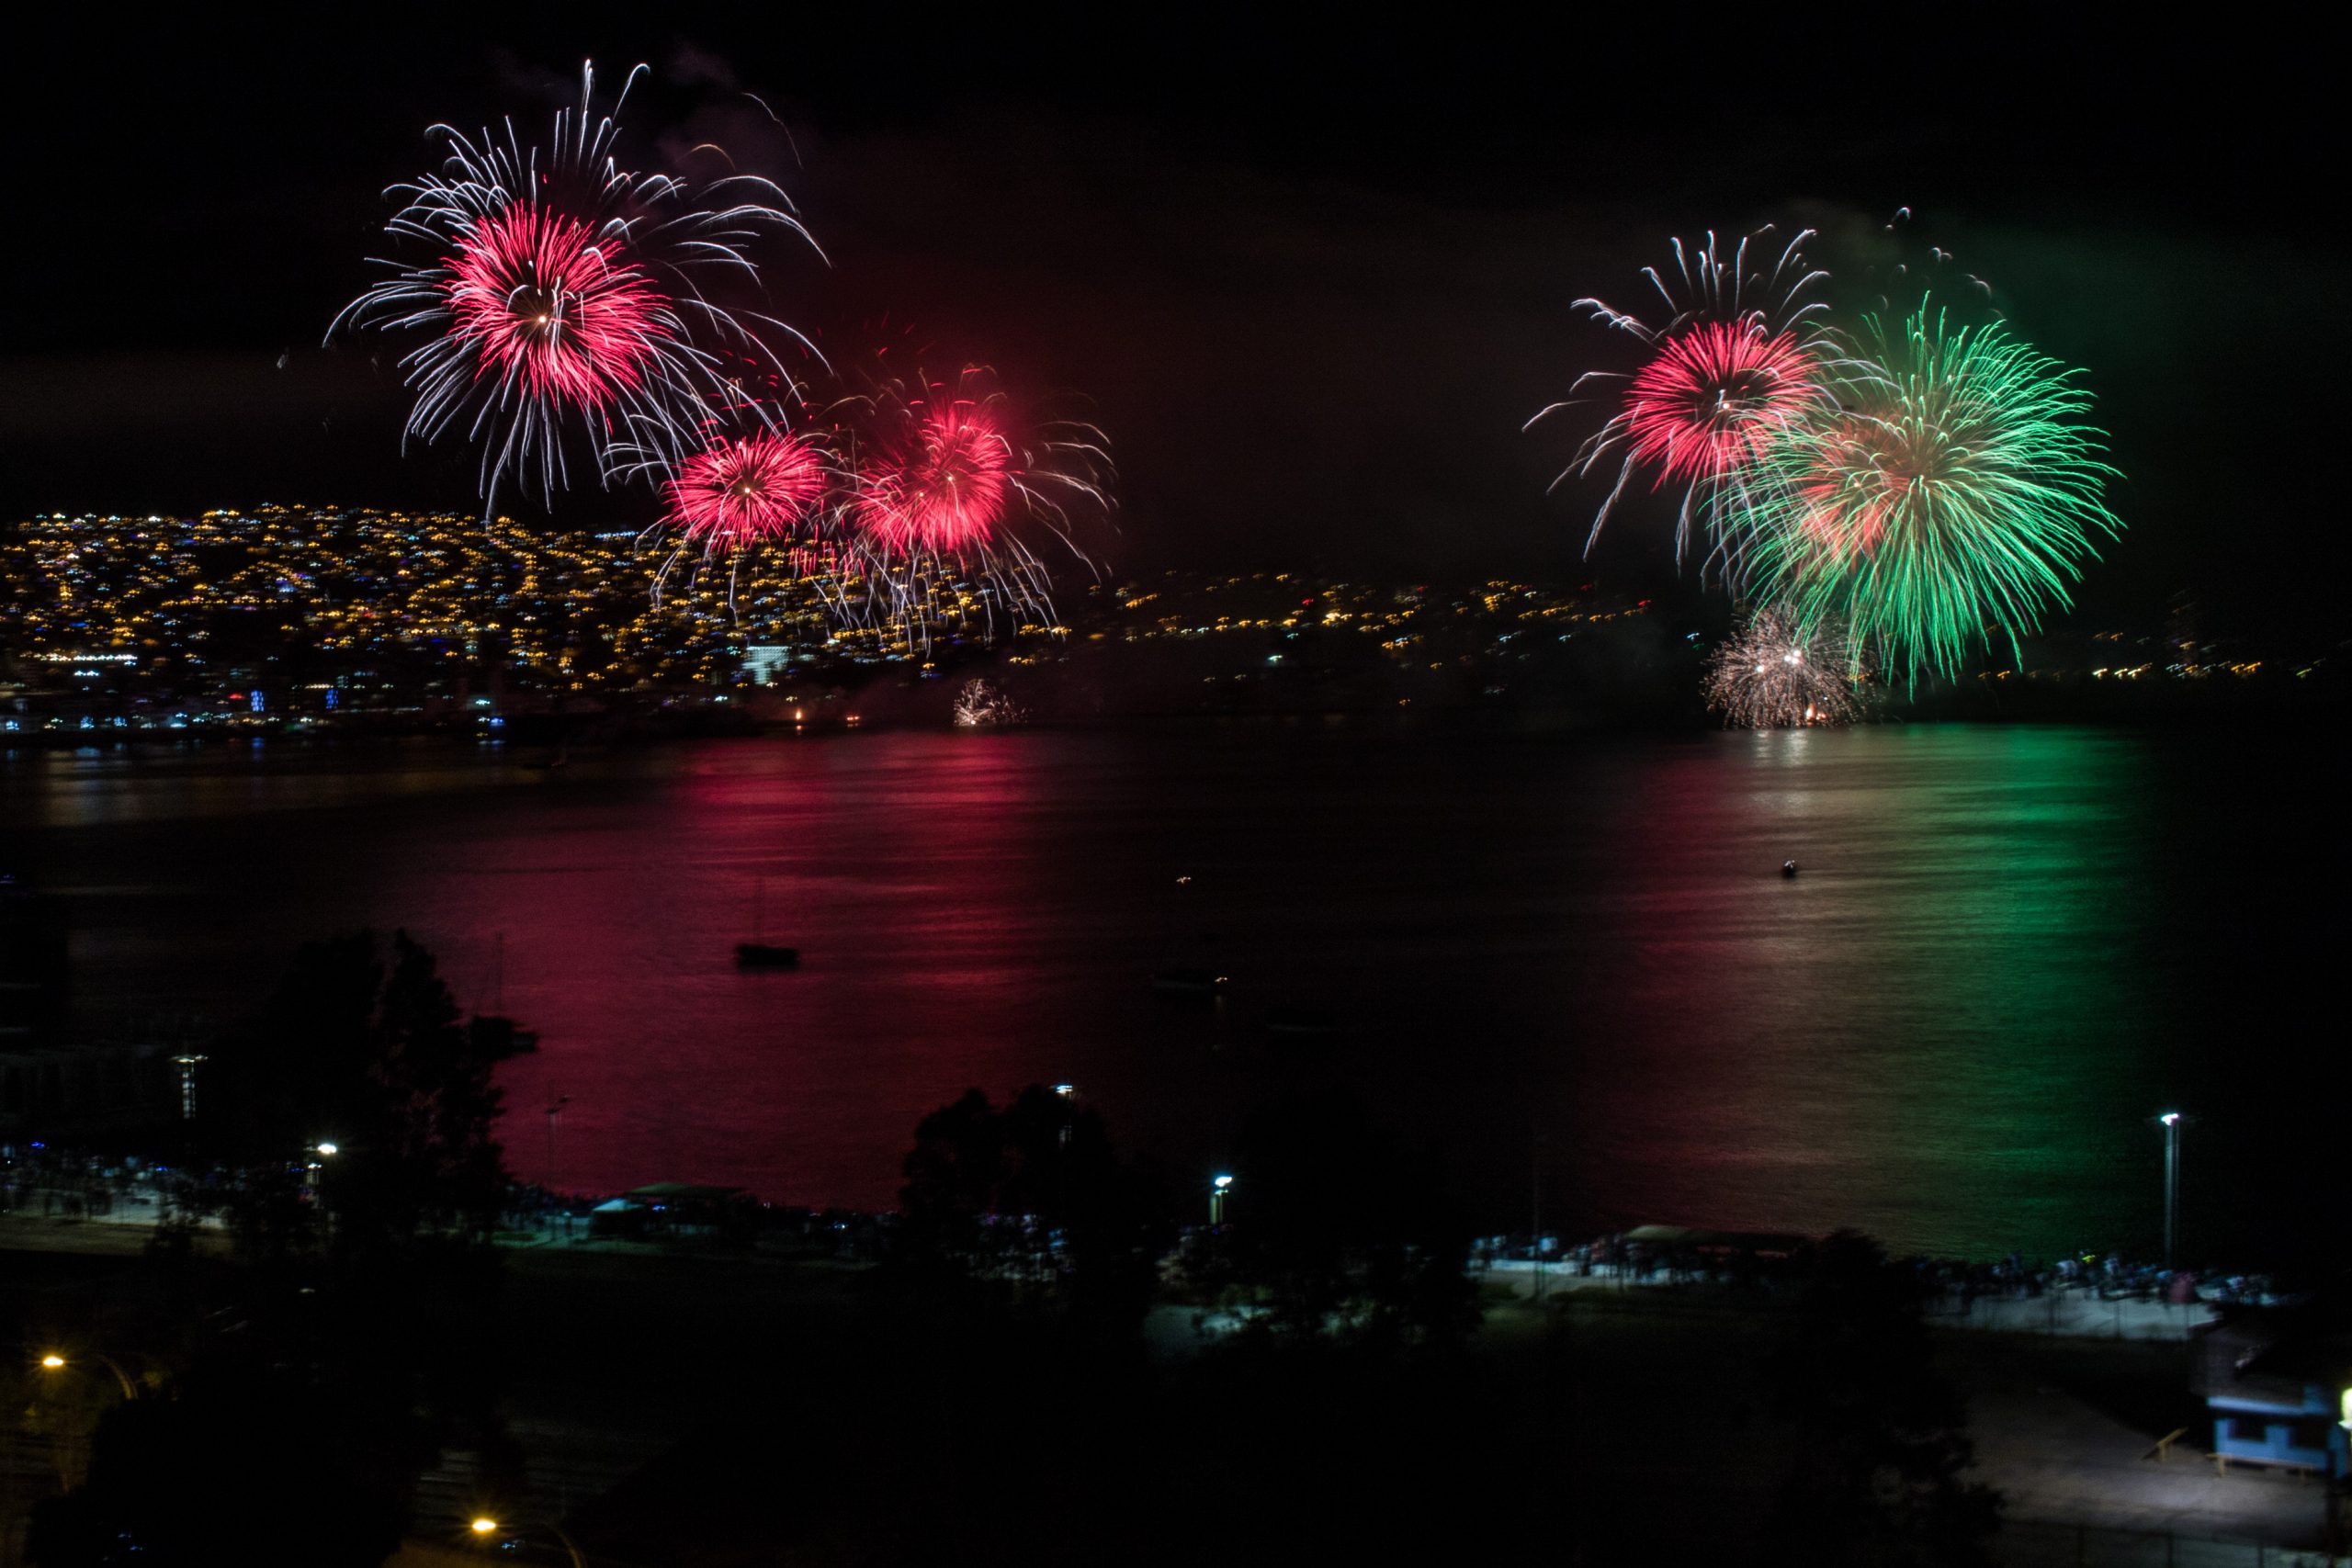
[758,952]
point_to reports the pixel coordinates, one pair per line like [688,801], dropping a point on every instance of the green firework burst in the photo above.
[1946,497]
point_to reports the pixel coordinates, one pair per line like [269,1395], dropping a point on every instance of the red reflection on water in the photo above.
[1679,1032]
[903,874]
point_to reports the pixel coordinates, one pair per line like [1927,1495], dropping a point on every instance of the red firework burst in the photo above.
[555,308]
[1712,398]
[740,490]
[947,490]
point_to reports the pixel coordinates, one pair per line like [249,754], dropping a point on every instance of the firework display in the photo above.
[1928,490]
[943,488]
[560,296]
[739,491]
[556,291]
[1737,356]
[1771,675]
[953,496]
[1948,497]
[979,706]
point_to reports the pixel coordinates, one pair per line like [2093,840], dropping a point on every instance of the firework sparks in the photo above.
[739,491]
[944,490]
[1737,356]
[979,706]
[557,289]
[1705,408]
[766,488]
[1950,496]
[1771,675]
[543,303]
[953,500]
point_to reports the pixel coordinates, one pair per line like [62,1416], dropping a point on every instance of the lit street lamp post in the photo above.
[54,1362]
[2171,1119]
[484,1527]
[187,1062]
[320,1153]
[2342,1478]
[1218,1188]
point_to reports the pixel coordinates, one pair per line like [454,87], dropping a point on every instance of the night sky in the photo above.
[1313,278]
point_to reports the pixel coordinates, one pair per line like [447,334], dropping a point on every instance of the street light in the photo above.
[2171,1119]
[484,1527]
[187,1062]
[1218,1188]
[54,1362]
[320,1154]
[2338,1479]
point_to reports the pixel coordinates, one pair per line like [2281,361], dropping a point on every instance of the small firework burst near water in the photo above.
[1946,498]
[1735,356]
[979,706]
[555,290]
[1771,675]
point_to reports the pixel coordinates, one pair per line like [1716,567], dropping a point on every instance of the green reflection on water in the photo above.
[1935,1032]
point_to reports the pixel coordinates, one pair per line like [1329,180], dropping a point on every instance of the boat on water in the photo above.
[759,952]
[1192,982]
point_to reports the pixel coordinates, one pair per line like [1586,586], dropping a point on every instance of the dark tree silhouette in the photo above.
[316,1381]
[1881,1436]
[363,1046]
[1338,1229]
[1028,1202]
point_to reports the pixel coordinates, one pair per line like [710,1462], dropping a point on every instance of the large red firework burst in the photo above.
[1714,396]
[550,306]
[740,490]
[945,490]
[553,294]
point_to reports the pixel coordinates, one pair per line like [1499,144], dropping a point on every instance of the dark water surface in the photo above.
[1569,955]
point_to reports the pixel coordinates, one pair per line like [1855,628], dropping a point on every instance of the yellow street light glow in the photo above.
[484,1525]
[52,1361]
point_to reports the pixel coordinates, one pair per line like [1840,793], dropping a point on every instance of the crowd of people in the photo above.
[1762,1260]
